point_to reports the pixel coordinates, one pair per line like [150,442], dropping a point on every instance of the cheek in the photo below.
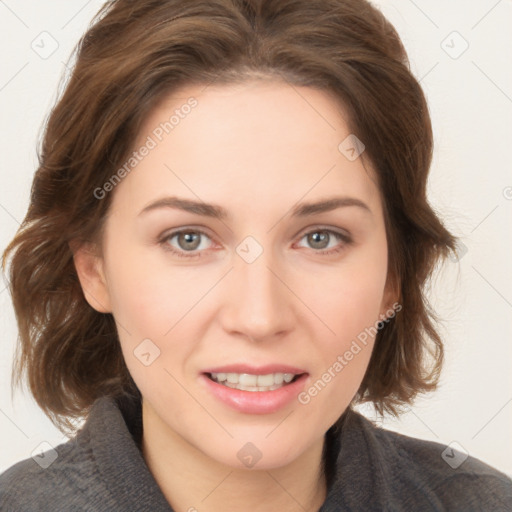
[350,299]
[150,307]
[349,303]
[159,301]
[148,295]
[353,317]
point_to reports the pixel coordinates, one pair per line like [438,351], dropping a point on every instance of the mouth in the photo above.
[253,382]
[251,389]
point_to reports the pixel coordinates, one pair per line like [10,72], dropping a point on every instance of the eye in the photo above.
[187,241]
[321,239]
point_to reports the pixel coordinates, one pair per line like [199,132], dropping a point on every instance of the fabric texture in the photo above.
[102,469]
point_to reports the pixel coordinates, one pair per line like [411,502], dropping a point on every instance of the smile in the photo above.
[251,382]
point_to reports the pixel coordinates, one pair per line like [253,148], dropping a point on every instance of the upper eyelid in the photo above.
[178,231]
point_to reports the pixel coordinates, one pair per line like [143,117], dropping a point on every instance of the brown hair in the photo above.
[138,51]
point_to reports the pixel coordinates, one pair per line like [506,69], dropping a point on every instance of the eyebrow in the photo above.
[220,213]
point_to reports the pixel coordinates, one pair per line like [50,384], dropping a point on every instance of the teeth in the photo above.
[249,382]
[263,380]
[232,378]
[245,379]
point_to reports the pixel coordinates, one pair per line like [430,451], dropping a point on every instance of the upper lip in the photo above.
[255,370]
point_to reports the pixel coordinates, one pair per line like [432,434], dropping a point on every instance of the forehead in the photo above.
[253,144]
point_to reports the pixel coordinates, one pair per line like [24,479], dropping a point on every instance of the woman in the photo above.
[226,249]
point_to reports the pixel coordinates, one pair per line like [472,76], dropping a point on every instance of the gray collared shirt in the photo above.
[372,469]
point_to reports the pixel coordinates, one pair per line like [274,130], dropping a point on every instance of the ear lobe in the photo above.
[90,270]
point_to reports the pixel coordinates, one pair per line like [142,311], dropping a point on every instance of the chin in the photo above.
[255,450]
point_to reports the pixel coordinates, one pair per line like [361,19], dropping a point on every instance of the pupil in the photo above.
[189,239]
[319,237]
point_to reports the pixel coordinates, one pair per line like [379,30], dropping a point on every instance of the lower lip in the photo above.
[256,402]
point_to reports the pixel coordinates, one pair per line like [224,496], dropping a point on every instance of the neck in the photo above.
[191,481]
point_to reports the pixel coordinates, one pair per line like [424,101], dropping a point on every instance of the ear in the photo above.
[89,267]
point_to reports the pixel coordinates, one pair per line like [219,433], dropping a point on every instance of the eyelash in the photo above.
[191,255]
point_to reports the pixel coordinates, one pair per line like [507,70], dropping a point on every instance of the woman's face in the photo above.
[261,282]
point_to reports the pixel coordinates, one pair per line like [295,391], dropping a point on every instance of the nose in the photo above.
[258,304]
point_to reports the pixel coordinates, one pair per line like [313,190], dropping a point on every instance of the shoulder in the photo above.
[436,473]
[34,477]
[67,477]
[58,477]
[100,469]
[30,481]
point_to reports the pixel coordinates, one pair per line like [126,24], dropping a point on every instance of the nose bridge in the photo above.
[259,302]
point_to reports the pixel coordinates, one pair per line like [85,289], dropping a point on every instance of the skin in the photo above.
[256,149]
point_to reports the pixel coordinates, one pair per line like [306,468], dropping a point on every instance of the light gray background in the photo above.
[470,97]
